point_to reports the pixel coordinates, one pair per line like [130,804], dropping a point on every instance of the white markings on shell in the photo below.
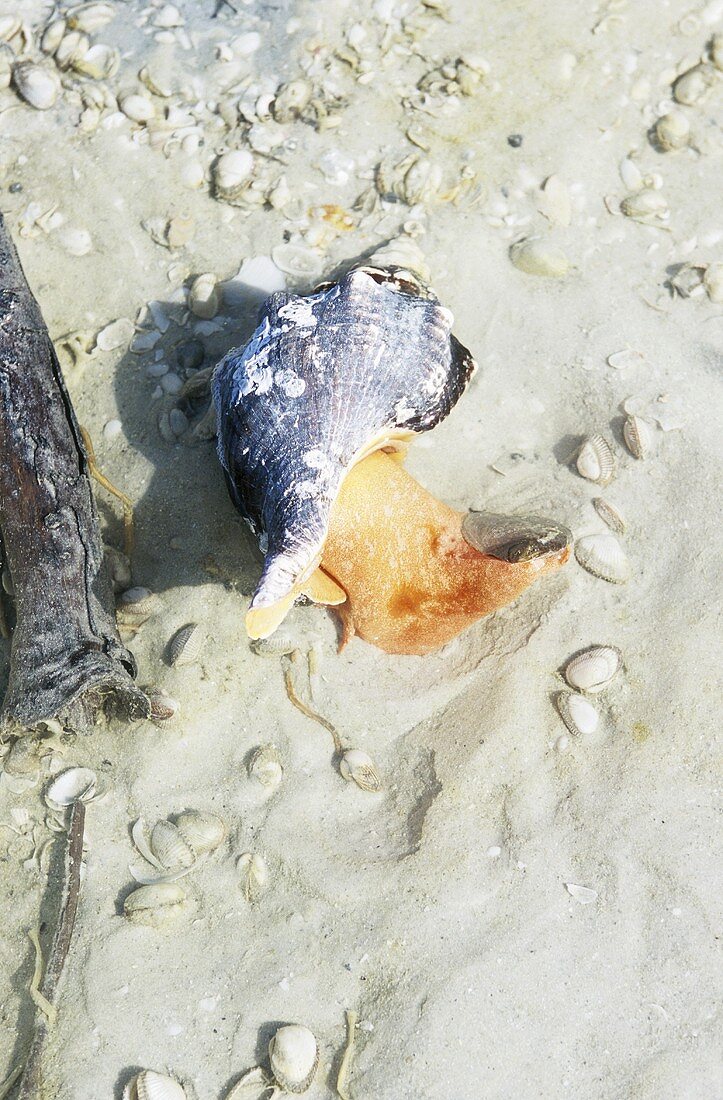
[294,1057]
[536,256]
[36,84]
[596,461]
[603,556]
[186,644]
[594,669]
[672,131]
[610,515]
[265,766]
[149,1085]
[156,905]
[578,713]
[358,767]
[72,785]
[204,296]
[637,435]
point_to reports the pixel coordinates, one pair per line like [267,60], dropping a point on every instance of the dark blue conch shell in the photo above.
[359,365]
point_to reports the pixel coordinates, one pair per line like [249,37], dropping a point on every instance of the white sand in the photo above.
[437,910]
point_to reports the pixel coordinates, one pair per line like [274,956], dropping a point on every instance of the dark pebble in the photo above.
[515,140]
[14,188]
[190,355]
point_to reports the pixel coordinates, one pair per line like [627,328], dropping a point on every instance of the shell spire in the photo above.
[359,365]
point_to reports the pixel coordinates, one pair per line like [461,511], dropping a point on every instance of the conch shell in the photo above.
[314,415]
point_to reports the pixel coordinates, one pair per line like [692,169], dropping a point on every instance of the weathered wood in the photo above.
[66,655]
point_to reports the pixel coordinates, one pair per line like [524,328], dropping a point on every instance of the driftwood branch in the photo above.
[66,656]
[31,1085]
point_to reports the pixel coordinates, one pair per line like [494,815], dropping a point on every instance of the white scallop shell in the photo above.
[37,85]
[149,1085]
[201,831]
[156,904]
[186,644]
[604,557]
[265,766]
[637,435]
[73,785]
[294,1056]
[358,767]
[170,848]
[578,713]
[535,256]
[610,515]
[596,461]
[594,669]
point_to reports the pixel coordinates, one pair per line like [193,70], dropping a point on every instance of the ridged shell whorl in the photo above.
[325,379]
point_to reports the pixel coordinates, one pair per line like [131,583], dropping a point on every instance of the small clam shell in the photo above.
[610,515]
[204,296]
[592,670]
[149,1085]
[637,435]
[290,100]
[170,848]
[628,357]
[265,766]
[695,85]
[358,767]
[155,905]
[136,605]
[604,557]
[186,644]
[72,785]
[52,36]
[596,461]
[232,173]
[9,27]
[257,874]
[73,46]
[35,84]
[713,282]
[254,1085]
[688,280]
[99,63]
[294,1056]
[163,707]
[578,714]
[645,205]
[115,335]
[296,259]
[672,131]
[137,108]
[90,17]
[716,51]
[536,256]
[202,831]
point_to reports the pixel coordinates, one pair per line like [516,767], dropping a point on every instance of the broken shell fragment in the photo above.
[688,280]
[536,256]
[35,84]
[358,767]
[204,296]
[672,131]
[637,435]
[294,1056]
[253,1085]
[578,713]
[713,282]
[596,461]
[202,831]
[72,785]
[592,670]
[604,557]
[186,644]
[155,905]
[646,206]
[610,515]
[291,99]
[265,766]
[695,85]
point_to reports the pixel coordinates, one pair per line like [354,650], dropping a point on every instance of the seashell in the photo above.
[7,60]
[554,202]
[163,706]
[592,670]
[35,84]
[90,17]
[416,179]
[610,515]
[202,832]
[186,644]
[73,46]
[672,131]
[137,108]
[193,175]
[294,1056]
[265,766]
[645,205]
[596,461]
[358,767]
[637,435]
[204,296]
[157,905]
[170,848]
[72,785]
[257,874]
[713,282]
[291,99]
[631,175]
[75,241]
[9,27]
[232,174]
[179,230]
[136,605]
[115,335]
[584,894]
[536,256]
[100,62]
[253,1085]
[53,35]
[604,557]
[578,713]
[695,85]
[168,16]
[297,260]
[688,281]
[628,357]
[716,51]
